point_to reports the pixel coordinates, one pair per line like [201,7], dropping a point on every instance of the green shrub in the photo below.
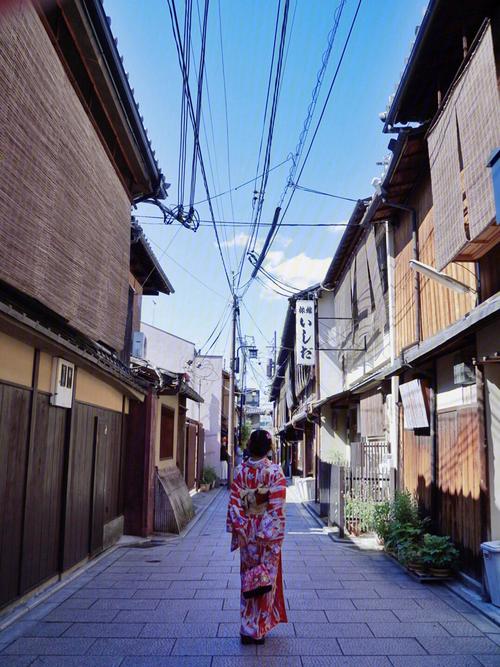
[438,551]
[410,552]
[208,475]
[381,519]
[405,509]
[359,514]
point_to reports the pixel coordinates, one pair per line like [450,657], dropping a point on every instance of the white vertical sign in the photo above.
[304,333]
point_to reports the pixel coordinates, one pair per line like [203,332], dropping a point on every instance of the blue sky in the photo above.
[343,160]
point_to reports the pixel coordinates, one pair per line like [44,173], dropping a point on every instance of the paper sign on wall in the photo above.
[304,333]
[416,414]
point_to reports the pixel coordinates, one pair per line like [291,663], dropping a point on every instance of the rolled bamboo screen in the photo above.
[472,116]
[64,215]
[446,188]
[478,111]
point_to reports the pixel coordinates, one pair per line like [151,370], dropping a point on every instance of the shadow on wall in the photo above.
[214,416]
[458,515]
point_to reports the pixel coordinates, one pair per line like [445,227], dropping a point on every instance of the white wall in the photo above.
[167,351]
[206,379]
[330,374]
[487,345]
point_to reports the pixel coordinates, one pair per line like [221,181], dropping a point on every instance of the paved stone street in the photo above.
[177,604]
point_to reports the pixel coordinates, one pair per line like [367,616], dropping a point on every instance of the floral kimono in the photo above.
[256,520]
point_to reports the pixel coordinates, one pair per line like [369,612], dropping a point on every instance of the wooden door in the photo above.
[80,485]
[458,483]
[42,525]
[190,472]
[167,433]
[101,445]
[200,452]
[14,418]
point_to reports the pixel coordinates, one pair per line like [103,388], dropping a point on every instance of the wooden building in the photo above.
[293,392]
[75,156]
[409,311]
[439,198]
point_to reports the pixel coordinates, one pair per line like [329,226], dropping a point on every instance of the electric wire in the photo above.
[183,268]
[208,223]
[320,119]
[259,194]
[241,185]
[325,194]
[273,231]
[199,93]
[228,151]
[181,58]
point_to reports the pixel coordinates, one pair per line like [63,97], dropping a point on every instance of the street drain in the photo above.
[154,561]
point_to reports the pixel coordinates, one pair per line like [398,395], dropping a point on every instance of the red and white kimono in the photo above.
[259,537]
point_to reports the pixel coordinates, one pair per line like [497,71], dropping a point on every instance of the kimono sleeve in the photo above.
[237,521]
[272,525]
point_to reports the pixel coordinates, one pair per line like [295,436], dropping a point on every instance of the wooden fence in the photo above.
[356,488]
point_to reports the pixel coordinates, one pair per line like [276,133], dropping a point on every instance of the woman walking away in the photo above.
[256,519]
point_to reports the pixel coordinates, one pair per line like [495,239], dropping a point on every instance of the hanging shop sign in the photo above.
[415,404]
[304,333]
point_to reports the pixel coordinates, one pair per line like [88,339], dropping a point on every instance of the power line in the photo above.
[259,195]
[227,117]
[241,185]
[325,194]
[172,259]
[323,110]
[241,223]
[274,230]
[181,57]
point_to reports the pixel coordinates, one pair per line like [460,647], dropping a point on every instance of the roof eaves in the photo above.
[347,242]
[114,62]
[392,114]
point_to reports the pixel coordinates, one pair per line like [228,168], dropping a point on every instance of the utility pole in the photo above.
[230,428]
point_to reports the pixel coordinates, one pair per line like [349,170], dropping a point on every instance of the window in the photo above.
[167,433]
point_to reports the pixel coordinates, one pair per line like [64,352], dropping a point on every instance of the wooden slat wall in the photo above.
[372,415]
[64,214]
[440,306]
[416,466]
[44,496]
[14,418]
[93,489]
[78,502]
[458,474]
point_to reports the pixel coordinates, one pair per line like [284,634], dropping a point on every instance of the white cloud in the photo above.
[299,271]
[239,240]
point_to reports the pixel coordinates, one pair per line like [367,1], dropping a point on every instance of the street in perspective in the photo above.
[249,348]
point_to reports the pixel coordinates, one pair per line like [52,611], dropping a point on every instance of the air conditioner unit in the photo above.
[139,345]
[63,377]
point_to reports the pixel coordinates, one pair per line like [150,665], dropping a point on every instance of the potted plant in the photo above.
[410,555]
[208,478]
[439,554]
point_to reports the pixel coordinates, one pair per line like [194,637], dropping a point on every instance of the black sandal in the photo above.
[246,639]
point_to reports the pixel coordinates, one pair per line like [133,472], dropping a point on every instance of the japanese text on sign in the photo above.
[304,333]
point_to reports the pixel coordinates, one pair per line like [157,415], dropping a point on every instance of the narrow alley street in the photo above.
[177,604]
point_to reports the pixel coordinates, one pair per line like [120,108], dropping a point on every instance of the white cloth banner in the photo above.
[305,333]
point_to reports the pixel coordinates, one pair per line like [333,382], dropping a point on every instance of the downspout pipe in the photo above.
[416,253]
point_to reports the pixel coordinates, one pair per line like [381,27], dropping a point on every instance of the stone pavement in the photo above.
[177,604]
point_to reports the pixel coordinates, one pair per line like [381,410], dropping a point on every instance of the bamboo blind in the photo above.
[446,188]
[471,116]
[478,111]
[440,306]
[65,217]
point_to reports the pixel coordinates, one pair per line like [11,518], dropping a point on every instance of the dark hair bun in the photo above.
[260,443]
